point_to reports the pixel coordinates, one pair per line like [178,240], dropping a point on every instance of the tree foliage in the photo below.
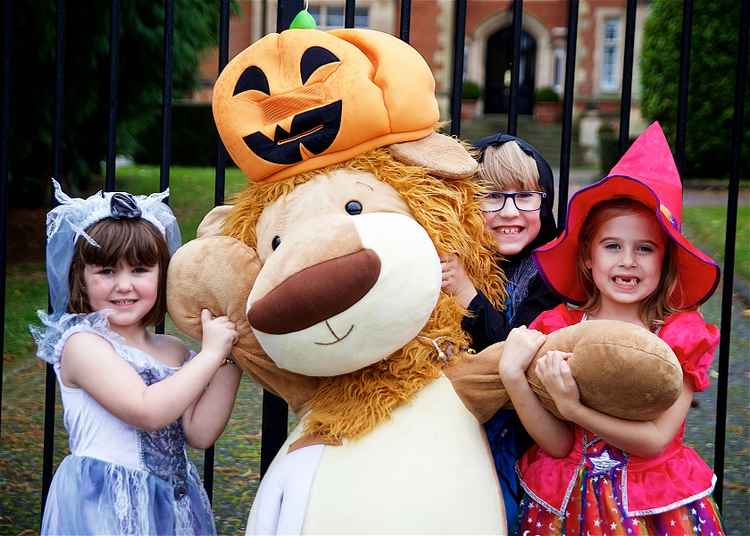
[87,75]
[713,70]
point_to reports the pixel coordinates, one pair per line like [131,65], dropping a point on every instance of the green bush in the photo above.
[713,70]
[546,94]
[194,137]
[471,90]
[608,148]
[86,102]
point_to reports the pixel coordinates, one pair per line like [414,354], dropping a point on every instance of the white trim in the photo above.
[602,15]
[667,508]
[539,500]
[610,64]
[476,43]
[562,511]
[558,54]
[324,13]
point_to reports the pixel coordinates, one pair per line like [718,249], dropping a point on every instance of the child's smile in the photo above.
[512,229]
[626,282]
[626,259]
[130,292]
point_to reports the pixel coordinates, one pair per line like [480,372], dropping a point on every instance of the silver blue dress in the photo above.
[118,479]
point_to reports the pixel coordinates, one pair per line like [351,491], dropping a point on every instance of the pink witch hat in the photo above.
[646,173]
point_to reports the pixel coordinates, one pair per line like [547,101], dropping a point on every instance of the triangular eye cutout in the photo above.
[252,78]
[313,58]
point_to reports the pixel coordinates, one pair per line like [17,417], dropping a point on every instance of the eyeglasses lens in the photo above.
[526,201]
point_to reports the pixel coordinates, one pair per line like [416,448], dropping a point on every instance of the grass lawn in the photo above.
[707,226]
[238,450]
[191,190]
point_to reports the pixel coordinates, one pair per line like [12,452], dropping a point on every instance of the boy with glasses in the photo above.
[517,206]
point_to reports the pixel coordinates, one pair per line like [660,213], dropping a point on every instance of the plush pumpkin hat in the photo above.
[304,99]
[646,173]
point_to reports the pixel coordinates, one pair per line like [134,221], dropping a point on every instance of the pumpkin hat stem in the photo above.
[303,20]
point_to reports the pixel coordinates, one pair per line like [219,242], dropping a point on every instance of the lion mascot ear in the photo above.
[217,273]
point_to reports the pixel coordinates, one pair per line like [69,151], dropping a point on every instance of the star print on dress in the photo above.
[603,463]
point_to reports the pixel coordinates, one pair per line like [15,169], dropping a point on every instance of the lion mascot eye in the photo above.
[354,207]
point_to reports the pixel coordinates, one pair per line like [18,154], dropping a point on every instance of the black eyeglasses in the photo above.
[524,201]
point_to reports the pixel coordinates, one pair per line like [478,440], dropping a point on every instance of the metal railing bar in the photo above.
[405,20]
[627,77]
[275,410]
[682,93]
[166,98]
[114,65]
[221,153]
[516,67]
[349,14]
[219,189]
[264,17]
[4,142]
[166,109]
[50,379]
[459,37]
[567,123]
[729,247]
[285,12]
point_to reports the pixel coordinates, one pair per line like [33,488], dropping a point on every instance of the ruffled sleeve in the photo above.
[694,342]
[559,317]
[55,331]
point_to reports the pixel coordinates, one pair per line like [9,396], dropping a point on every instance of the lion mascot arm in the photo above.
[216,272]
[620,369]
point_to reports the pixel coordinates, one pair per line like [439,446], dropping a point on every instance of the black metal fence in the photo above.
[274,424]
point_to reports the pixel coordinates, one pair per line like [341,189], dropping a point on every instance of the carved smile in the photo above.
[315,129]
[338,339]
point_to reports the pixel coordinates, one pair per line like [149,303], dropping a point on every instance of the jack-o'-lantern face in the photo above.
[305,99]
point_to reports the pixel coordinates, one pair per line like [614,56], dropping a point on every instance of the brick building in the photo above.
[488,50]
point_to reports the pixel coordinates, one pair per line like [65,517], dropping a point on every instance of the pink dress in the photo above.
[600,489]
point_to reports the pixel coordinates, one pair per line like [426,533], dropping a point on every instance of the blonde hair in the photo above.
[351,405]
[506,167]
[656,307]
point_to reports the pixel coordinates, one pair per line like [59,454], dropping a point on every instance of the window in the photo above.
[333,16]
[610,44]
[558,72]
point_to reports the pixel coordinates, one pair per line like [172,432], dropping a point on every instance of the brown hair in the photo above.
[505,167]
[136,241]
[656,307]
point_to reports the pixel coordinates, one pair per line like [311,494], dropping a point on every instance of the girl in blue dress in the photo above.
[132,399]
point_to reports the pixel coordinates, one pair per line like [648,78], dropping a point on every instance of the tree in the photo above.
[86,100]
[713,68]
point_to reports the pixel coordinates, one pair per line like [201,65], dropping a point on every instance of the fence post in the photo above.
[515,72]
[275,410]
[567,126]
[729,246]
[4,141]
[459,37]
[627,77]
[50,380]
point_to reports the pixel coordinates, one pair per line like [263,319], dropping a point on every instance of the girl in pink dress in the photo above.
[621,257]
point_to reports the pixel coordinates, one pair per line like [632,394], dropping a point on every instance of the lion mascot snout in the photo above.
[328,262]
[337,269]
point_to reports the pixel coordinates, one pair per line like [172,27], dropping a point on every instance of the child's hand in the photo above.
[554,372]
[518,350]
[219,334]
[455,281]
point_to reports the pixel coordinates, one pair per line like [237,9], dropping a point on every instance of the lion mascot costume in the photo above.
[328,264]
